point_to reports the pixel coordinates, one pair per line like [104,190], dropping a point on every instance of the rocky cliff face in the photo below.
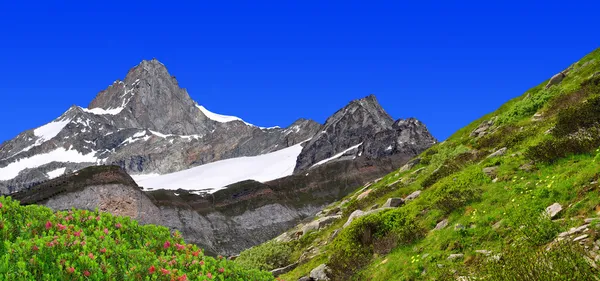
[363,128]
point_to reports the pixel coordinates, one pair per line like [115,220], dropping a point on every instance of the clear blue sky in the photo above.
[271,62]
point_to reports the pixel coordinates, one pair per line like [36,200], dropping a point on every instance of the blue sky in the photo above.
[272,62]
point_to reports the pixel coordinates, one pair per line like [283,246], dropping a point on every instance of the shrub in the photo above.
[564,261]
[554,148]
[267,256]
[455,192]
[576,118]
[39,244]
[528,105]
[531,225]
[355,246]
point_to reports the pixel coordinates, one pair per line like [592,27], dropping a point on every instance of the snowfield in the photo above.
[59,155]
[217,175]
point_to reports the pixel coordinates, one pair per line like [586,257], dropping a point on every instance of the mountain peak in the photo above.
[150,98]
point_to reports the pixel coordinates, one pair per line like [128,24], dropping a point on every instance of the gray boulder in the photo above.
[321,273]
[412,196]
[553,210]
[555,80]
[498,152]
[394,202]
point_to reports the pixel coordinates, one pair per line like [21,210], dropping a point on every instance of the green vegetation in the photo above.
[39,244]
[494,206]
[267,256]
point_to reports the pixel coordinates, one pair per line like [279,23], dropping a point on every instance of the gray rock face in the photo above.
[365,124]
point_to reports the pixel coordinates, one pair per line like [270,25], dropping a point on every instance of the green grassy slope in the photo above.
[494,206]
[38,244]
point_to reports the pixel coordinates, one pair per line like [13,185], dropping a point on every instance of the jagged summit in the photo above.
[361,124]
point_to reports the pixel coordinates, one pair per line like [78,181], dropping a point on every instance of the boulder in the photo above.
[490,171]
[482,129]
[498,152]
[553,210]
[320,273]
[441,224]
[555,80]
[363,195]
[484,252]
[410,164]
[305,278]
[284,270]
[412,196]
[455,256]
[320,223]
[394,202]
[354,215]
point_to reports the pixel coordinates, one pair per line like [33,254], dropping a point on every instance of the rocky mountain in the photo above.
[227,185]
[149,125]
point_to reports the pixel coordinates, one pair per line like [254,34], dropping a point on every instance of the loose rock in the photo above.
[320,273]
[553,210]
[442,224]
[394,202]
[455,256]
[498,152]
[412,196]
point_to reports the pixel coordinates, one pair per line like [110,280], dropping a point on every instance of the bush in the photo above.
[528,105]
[267,256]
[576,118]
[564,261]
[39,244]
[355,246]
[456,192]
[531,225]
[554,148]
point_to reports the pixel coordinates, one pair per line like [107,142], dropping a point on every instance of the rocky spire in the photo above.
[150,98]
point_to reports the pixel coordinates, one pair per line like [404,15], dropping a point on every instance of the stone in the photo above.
[455,256]
[537,117]
[321,273]
[354,215]
[410,164]
[482,129]
[490,171]
[417,171]
[574,230]
[528,167]
[306,278]
[334,234]
[498,152]
[442,224]
[412,196]
[579,238]
[497,224]
[594,220]
[553,210]
[284,270]
[555,80]
[483,252]
[394,183]
[318,224]
[375,206]
[363,195]
[394,202]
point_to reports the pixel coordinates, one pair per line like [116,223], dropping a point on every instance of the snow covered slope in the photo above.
[214,176]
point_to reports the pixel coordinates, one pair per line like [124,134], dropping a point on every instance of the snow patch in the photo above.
[58,155]
[336,156]
[226,118]
[50,130]
[216,175]
[56,173]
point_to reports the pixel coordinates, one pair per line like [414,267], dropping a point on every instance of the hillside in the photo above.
[512,196]
[90,245]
